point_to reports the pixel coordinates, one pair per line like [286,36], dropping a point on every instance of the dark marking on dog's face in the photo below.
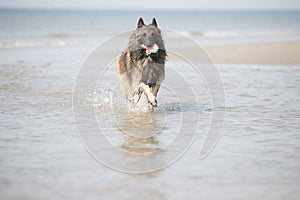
[146,35]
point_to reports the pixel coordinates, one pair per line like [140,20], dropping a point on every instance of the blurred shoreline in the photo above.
[275,53]
[264,53]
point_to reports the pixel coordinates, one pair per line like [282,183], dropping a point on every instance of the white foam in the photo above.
[47,42]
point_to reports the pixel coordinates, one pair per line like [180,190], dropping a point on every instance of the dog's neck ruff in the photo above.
[149,50]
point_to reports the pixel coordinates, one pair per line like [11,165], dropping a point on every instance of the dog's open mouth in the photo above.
[149,50]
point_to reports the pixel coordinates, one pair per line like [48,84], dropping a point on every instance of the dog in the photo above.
[141,66]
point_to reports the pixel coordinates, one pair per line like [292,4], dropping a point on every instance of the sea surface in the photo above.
[67,133]
[65,27]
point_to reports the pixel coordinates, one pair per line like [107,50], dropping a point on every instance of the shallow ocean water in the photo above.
[42,156]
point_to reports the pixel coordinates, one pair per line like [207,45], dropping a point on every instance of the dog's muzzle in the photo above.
[149,50]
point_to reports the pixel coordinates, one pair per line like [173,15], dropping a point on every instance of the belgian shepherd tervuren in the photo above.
[141,66]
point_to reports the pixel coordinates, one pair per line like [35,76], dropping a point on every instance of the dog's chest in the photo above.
[152,73]
[144,62]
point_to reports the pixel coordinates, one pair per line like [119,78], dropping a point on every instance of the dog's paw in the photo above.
[153,104]
[152,100]
[149,108]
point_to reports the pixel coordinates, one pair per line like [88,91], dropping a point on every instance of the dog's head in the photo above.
[147,38]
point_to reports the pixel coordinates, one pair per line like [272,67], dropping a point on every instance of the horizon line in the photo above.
[147,10]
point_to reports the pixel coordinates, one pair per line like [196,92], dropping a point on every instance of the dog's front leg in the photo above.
[155,89]
[151,98]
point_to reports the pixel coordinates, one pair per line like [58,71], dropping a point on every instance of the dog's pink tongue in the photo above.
[147,48]
[150,48]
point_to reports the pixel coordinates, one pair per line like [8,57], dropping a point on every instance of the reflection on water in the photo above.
[140,145]
[140,130]
[140,124]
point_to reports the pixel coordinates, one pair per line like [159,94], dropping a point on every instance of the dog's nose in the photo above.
[148,44]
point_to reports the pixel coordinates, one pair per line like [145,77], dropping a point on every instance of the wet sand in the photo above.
[279,53]
[271,53]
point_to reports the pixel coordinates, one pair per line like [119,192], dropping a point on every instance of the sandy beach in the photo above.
[275,53]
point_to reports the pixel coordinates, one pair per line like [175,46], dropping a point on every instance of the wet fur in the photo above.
[138,72]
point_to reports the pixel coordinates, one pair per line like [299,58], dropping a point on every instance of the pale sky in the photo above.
[155,4]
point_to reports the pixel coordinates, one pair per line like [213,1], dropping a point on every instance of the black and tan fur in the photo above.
[138,72]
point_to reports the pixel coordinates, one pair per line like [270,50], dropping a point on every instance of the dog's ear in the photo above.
[154,22]
[140,23]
